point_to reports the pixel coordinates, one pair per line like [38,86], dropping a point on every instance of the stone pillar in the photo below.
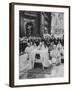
[42,24]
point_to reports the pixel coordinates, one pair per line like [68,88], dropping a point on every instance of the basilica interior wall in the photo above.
[42,23]
[57,23]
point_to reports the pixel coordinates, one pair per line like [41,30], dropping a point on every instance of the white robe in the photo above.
[28,50]
[56,57]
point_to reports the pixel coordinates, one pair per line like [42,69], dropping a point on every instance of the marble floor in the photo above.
[26,73]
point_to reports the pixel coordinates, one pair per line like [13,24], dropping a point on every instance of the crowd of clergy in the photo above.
[44,52]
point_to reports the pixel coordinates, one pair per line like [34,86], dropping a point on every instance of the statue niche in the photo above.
[29,29]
